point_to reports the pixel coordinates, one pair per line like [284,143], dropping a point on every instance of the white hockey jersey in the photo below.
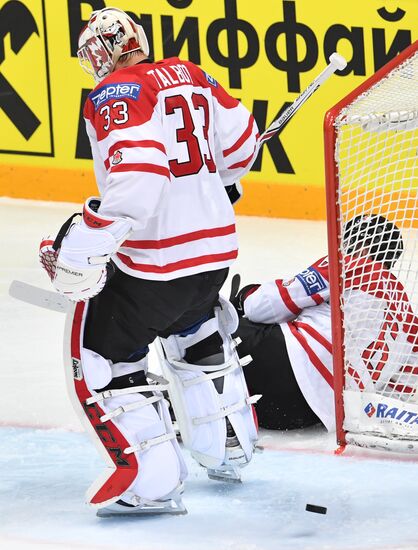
[300,305]
[166,138]
[380,331]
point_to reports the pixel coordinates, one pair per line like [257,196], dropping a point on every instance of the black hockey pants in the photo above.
[283,406]
[129,313]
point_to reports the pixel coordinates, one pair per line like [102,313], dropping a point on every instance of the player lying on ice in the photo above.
[146,262]
[286,329]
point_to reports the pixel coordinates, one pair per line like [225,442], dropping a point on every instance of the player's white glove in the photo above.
[69,280]
[78,269]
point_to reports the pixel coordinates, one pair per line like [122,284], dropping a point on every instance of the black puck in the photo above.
[316,509]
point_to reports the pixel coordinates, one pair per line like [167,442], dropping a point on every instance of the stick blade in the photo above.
[39,296]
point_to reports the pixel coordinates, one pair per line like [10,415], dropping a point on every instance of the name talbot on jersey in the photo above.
[171,75]
[383,411]
[115,91]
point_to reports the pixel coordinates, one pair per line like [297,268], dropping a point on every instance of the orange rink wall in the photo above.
[260,199]
[283,47]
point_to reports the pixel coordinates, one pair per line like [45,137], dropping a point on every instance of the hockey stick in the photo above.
[39,296]
[336,63]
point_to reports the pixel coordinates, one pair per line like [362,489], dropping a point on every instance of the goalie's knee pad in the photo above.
[129,421]
[208,391]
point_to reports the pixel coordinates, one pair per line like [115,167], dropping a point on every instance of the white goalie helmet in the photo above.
[109,34]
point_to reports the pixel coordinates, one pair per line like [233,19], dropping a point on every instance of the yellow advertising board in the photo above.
[264,53]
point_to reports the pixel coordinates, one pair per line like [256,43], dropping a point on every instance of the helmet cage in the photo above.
[375,236]
[95,59]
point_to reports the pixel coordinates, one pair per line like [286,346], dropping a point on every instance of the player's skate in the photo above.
[235,459]
[131,426]
[209,395]
[131,505]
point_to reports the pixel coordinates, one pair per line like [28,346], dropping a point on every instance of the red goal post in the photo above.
[371,167]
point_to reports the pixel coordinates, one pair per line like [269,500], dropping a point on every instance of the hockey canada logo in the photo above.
[117,157]
[369,410]
[211,80]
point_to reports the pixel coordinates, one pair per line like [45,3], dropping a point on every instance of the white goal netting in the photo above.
[376,155]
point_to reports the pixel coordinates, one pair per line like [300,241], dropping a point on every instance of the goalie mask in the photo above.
[109,34]
[375,236]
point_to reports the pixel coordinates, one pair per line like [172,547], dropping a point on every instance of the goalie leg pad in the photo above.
[211,392]
[129,422]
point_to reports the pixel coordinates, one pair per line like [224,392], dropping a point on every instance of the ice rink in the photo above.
[47,463]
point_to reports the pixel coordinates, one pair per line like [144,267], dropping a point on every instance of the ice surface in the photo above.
[46,463]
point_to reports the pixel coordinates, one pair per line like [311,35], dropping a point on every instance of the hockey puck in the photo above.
[316,509]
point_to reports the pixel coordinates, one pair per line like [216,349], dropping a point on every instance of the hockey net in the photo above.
[371,156]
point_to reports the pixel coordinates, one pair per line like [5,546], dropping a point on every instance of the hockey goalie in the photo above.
[147,260]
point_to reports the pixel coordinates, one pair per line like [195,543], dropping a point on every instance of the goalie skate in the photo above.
[235,459]
[172,504]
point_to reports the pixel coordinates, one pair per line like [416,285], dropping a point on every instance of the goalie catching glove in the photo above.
[77,261]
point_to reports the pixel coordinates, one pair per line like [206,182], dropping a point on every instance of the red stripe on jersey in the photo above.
[317,299]
[322,265]
[401,388]
[409,369]
[315,334]
[244,136]
[126,465]
[314,359]
[251,291]
[243,163]
[181,239]
[129,144]
[356,377]
[181,264]
[289,303]
[142,167]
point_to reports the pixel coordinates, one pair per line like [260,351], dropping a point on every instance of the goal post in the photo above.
[371,168]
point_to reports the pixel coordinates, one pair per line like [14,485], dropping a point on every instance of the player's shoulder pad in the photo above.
[199,74]
[206,80]
[322,265]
